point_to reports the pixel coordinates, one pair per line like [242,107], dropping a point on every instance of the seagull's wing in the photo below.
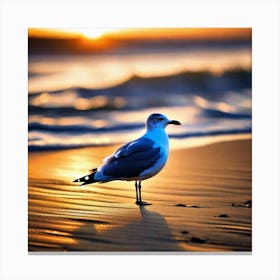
[131,159]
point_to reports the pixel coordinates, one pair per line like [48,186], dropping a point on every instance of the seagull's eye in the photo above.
[160,118]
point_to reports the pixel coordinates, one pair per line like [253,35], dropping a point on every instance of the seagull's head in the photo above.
[159,121]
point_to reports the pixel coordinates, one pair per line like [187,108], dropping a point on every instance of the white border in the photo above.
[262,16]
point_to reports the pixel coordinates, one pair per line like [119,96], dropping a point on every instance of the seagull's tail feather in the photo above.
[88,179]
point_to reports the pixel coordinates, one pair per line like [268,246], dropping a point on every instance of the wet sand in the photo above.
[201,202]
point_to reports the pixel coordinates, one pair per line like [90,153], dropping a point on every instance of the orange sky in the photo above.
[140,33]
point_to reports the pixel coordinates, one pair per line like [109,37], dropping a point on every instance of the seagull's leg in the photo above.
[139,187]
[140,202]
[136,189]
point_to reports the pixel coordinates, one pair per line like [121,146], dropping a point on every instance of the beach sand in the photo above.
[201,201]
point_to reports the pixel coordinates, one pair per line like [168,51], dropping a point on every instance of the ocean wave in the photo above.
[211,133]
[106,123]
[184,135]
[212,113]
[186,81]
[144,92]
[81,129]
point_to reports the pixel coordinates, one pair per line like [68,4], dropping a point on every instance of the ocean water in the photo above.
[102,99]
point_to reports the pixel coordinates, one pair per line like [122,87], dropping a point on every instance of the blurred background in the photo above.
[91,87]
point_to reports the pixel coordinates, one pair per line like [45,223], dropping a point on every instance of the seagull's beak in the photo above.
[174,122]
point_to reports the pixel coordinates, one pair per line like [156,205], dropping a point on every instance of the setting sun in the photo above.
[93,33]
[89,33]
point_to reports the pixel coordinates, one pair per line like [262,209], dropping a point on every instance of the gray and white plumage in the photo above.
[137,160]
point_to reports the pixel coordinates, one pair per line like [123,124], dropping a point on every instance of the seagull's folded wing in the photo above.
[130,160]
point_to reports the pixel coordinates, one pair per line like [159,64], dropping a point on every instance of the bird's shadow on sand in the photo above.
[149,232]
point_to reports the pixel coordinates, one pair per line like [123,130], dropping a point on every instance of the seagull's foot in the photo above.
[142,203]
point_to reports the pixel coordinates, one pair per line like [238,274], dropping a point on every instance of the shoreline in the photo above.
[187,143]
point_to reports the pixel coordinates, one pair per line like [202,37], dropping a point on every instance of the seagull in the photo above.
[137,160]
